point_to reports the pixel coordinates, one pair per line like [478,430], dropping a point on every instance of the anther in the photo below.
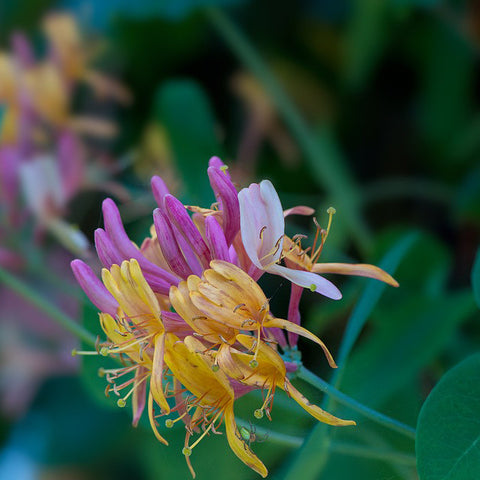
[258,413]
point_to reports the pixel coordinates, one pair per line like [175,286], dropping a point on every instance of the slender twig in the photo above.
[31,296]
[367,412]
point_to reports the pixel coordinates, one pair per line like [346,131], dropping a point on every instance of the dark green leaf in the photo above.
[408,339]
[183,109]
[448,433]
[371,296]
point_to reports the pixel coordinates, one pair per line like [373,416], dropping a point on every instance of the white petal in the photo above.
[274,221]
[248,227]
[308,280]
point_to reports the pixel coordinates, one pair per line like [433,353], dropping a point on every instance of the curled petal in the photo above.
[315,282]
[360,269]
[153,423]
[156,380]
[238,445]
[299,210]
[294,328]
[93,287]
[313,410]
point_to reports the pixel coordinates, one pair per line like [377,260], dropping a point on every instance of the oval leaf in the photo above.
[448,433]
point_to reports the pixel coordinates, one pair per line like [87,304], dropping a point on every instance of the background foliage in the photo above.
[371,106]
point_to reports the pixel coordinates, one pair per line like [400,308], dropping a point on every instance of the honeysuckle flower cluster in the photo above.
[186,315]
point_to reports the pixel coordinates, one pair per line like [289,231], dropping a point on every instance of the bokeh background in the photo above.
[371,106]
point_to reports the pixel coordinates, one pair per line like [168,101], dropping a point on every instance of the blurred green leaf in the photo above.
[366,39]
[476,278]
[448,434]
[102,12]
[446,104]
[371,295]
[184,110]
[408,339]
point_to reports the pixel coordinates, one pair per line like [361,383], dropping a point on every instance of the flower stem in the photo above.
[265,434]
[321,152]
[31,296]
[340,397]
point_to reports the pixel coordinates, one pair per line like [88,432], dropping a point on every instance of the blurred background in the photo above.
[371,106]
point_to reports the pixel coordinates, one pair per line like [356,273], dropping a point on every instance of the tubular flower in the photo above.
[193,329]
[263,229]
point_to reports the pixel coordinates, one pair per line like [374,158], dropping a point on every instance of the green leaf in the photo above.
[183,109]
[476,278]
[366,39]
[407,340]
[448,433]
[371,296]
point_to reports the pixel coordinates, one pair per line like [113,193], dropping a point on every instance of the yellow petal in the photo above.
[151,417]
[239,447]
[194,371]
[360,269]
[245,285]
[313,410]
[156,385]
[294,328]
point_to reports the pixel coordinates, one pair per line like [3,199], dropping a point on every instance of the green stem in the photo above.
[41,303]
[367,452]
[367,412]
[320,151]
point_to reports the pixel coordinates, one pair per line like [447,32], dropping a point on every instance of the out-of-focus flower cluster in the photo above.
[187,318]
[43,155]
[45,160]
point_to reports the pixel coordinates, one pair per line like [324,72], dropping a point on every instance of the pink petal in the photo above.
[94,288]
[217,243]
[299,210]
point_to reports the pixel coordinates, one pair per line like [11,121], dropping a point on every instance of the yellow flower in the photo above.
[213,397]
[229,296]
[137,332]
[269,372]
